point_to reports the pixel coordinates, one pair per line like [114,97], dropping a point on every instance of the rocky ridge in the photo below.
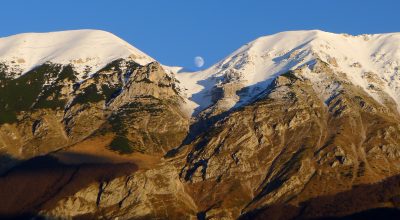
[285,122]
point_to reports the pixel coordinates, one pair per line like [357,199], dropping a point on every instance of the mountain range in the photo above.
[295,125]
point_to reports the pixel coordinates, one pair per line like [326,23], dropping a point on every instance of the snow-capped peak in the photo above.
[82,48]
[361,58]
[255,64]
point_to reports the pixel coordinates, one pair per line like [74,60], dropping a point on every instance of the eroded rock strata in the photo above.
[122,142]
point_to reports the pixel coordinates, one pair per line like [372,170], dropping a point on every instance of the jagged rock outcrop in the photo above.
[148,111]
[266,153]
[283,128]
[146,194]
[292,145]
[133,100]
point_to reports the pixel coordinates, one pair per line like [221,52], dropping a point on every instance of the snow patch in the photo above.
[257,63]
[86,50]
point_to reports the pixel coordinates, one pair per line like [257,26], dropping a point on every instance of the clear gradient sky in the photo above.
[175,31]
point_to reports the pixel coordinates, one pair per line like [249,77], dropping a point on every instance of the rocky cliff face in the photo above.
[47,109]
[302,141]
[290,146]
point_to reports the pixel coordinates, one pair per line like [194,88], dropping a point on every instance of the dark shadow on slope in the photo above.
[186,70]
[7,162]
[251,93]
[203,124]
[205,94]
[39,183]
[247,95]
[372,214]
[195,130]
[361,202]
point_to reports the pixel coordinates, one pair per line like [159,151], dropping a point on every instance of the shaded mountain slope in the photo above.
[299,124]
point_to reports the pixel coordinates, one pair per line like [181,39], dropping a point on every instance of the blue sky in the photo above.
[175,31]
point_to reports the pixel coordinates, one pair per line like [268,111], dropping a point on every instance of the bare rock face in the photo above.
[296,146]
[295,143]
[292,145]
[118,144]
[48,109]
[32,111]
[148,111]
[224,97]
[155,193]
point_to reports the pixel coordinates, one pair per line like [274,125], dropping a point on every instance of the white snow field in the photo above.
[254,65]
[82,48]
[257,63]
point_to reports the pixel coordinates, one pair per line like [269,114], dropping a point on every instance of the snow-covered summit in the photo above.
[364,60]
[255,64]
[82,48]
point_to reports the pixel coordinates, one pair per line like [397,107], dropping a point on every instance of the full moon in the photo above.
[199,61]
